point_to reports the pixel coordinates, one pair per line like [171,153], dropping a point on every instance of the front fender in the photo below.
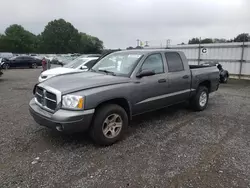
[96,96]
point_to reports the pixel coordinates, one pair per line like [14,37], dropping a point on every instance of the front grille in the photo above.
[51,96]
[39,90]
[46,99]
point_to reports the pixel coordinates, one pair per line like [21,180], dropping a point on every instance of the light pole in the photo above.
[168,43]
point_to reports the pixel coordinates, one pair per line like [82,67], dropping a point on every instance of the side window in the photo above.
[90,64]
[174,62]
[19,59]
[153,62]
[25,58]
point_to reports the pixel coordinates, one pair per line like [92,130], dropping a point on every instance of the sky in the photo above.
[119,23]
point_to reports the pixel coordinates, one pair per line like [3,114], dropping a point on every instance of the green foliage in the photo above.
[240,38]
[130,48]
[90,44]
[243,37]
[206,41]
[216,40]
[58,36]
[194,41]
[17,39]
[203,41]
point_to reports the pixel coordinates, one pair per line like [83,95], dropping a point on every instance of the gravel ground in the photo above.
[173,147]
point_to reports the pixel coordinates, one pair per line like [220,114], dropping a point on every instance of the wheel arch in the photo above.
[123,102]
[206,83]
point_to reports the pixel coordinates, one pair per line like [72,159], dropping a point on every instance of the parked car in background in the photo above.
[62,60]
[6,55]
[224,74]
[1,63]
[21,61]
[118,87]
[77,65]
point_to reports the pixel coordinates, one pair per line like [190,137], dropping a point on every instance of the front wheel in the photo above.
[109,124]
[200,100]
[6,66]
[34,65]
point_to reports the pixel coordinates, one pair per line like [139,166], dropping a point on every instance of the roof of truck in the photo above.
[146,51]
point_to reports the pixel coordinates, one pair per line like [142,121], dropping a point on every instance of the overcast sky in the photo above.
[118,23]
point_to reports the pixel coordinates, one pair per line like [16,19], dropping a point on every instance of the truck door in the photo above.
[150,90]
[179,78]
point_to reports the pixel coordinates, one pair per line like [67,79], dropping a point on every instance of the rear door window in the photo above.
[174,62]
[18,59]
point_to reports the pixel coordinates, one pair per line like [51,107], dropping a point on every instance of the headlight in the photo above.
[72,102]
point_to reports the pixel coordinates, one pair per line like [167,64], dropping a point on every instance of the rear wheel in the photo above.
[109,124]
[225,79]
[200,100]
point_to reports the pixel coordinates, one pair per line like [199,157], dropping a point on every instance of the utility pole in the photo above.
[199,52]
[167,43]
[138,42]
[242,56]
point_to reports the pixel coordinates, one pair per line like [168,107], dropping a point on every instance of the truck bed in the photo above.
[200,73]
[198,66]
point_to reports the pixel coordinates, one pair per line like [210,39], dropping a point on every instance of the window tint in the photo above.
[174,62]
[27,58]
[90,64]
[19,58]
[153,62]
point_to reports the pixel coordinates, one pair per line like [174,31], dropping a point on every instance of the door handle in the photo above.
[185,77]
[162,80]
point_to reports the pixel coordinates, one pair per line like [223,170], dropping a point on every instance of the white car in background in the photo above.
[78,65]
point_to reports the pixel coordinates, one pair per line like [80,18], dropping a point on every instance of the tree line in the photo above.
[243,37]
[58,36]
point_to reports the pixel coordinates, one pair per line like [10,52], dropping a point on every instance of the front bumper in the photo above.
[62,120]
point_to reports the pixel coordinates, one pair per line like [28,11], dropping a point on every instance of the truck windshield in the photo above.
[120,63]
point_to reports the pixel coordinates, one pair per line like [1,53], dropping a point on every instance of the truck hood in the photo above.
[72,82]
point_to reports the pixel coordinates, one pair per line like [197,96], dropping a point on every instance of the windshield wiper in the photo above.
[107,72]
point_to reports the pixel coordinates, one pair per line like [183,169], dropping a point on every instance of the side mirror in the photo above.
[84,67]
[145,73]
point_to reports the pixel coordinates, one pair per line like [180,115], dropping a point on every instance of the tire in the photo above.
[34,65]
[6,66]
[200,100]
[225,79]
[100,124]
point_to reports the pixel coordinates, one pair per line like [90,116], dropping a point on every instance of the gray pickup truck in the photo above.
[120,86]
